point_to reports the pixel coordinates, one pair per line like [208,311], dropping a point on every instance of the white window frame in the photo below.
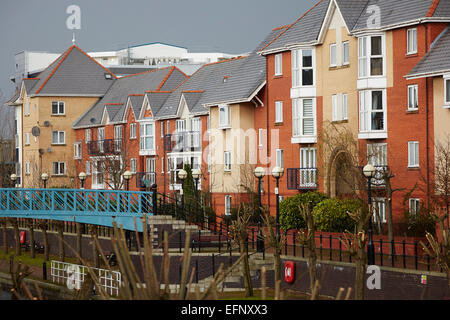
[27,168]
[333,55]
[365,56]
[308,167]
[411,41]
[297,68]
[77,150]
[260,138]
[298,117]
[227,161]
[59,142]
[162,129]
[88,167]
[278,111]
[133,131]
[278,64]
[27,138]
[339,107]
[58,168]
[447,91]
[381,204]
[133,165]
[366,110]
[180,125]
[414,206]
[413,154]
[59,104]
[26,110]
[224,121]
[279,158]
[345,49]
[144,134]
[162,164]
[227,205]
[87,135]
[413,97]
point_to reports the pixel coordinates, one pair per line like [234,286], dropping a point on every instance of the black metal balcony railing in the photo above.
[107,146]
[301,178]
[145,179]
[187,141]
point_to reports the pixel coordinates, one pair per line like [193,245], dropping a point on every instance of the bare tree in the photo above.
[239,230]
[442,175]
[307,238]
[273,241]
[111,167]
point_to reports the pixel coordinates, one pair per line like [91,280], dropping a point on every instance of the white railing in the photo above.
[73,276]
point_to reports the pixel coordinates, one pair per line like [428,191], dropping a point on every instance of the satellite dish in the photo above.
[46,123]
[41,151]
[35,131]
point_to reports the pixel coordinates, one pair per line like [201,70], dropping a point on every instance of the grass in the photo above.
[26,259]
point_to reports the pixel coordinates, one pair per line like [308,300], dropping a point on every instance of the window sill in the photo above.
[277,76]
[412,111]
[225,127]
[340,121]
[412,55]
[373,135]
[278,124]
[58,144]
[446,106]
[57,115]
[59,175]
[343,66]
[304,139]
[413,167]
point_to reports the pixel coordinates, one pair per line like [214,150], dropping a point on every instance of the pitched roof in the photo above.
[73,73]
[122,87]
[436,60]
[304,30]
[351,10]
[402,11]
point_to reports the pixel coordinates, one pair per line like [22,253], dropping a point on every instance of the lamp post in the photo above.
[182,174]
[259,174]
[127,176]
[277,173]
[44,178]
[369,172]
[196,173]
[82,177]
[13,178]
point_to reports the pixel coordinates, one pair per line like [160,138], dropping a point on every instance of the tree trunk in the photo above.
[17,237]
[61,241]
[389,216]
[5,236]
[277,263]
[79,242]
[312,260]
[32,250]
[246,268]
[360,273]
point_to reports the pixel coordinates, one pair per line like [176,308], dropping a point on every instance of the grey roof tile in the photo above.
[443,9]
[351,10]
[305,29]
[436,60]
[73,73]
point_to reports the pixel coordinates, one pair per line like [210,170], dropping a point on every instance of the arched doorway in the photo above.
[341,178]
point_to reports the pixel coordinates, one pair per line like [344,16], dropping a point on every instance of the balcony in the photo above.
[145,179]
[187,141]
[102,147]
[302,178]
[378,180]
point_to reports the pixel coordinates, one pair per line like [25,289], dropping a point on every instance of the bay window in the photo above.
[147,141]
[303,61]
[372,111]
[304,117]
[371,56]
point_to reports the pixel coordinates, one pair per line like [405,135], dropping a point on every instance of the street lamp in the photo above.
[44,178]
[127,176]
[82,177]
[259,173]
[277,173]
[13,178]
[182,174]
[369,172]
[196,173]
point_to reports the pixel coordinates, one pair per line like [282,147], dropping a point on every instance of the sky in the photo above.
[229,26]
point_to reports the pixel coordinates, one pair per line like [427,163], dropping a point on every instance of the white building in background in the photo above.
[125,61]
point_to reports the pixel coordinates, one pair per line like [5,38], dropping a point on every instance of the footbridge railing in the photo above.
[99,207]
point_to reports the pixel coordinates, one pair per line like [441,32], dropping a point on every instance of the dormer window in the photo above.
[224,116]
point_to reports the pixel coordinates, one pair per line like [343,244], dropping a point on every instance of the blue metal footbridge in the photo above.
[98,207]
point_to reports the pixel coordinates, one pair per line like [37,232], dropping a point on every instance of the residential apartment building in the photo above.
[348,83]
[345,63]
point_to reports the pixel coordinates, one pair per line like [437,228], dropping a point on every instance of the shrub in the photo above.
[421,223]
[330,215]
[290,217]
